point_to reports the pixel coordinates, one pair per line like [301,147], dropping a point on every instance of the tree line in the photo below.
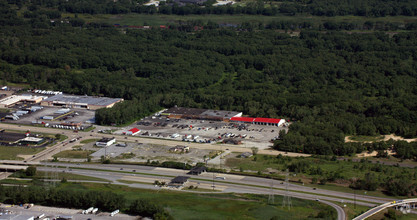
[368,8]
[81,199]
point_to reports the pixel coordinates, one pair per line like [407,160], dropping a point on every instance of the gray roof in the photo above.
[180,179]
[201,112]
[90,100]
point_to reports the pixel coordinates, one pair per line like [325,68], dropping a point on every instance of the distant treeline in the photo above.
[330,84]
[81,199]
[44,18]
[369,8]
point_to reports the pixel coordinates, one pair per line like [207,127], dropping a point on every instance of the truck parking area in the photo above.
[49,116]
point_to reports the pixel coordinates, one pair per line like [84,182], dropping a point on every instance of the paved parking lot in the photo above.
[75,116]
[203,131]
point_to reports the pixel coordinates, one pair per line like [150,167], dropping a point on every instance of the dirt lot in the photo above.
[202,131]
[138,152]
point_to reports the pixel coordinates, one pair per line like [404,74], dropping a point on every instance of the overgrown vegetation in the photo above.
[360,175]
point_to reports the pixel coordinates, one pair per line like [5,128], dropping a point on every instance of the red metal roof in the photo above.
[267,120]
[134,130]
[244,119]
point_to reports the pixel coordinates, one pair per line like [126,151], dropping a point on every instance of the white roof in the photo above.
[17,98]
[31,139]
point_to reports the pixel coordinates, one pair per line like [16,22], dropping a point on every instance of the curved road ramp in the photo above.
[404,205]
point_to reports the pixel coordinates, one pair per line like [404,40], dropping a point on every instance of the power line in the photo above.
[287,197]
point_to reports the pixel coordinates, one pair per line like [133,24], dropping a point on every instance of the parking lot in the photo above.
[138,152]
[73,116]
[202,131]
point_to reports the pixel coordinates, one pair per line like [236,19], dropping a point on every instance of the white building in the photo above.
[104,142]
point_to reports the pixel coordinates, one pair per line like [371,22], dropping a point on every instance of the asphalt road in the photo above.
[233,183]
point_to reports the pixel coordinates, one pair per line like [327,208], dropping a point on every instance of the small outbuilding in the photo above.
[178,181]
[197,170]
[132,131]
[104,142]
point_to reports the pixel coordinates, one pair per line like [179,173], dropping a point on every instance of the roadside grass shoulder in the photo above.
[77,154]
[11,153]
[86,141]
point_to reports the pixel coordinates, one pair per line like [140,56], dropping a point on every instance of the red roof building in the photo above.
[259,121]
[242,119]
[132,131]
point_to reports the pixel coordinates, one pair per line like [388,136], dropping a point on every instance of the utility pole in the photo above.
[287,198]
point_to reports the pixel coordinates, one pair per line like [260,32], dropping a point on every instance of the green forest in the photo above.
[328,83]
[372,8]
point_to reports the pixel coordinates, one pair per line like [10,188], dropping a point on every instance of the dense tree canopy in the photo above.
[330,84]
[370,8]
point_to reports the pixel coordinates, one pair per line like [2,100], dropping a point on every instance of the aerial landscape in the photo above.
[208,109]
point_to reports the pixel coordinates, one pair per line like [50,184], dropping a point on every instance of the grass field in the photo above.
[160,19]
[362,138]
[86,141]
[184,205]
[78,154]
[10,153]
[319,167]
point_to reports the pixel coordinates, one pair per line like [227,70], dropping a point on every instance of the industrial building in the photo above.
[259,121]
[14,99]
[14,138]
[84,102]
[202,114]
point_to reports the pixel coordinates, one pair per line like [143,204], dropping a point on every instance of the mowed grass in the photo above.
[86,141]
[10,153]
[183,205]
[77,154]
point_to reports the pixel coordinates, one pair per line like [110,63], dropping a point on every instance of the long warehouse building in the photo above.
[204,114]
[84,102]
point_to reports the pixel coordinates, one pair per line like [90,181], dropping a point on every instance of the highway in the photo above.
[232,183]
[147,175]
[381,207]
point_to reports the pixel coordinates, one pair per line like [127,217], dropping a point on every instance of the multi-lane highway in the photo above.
[145,175]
